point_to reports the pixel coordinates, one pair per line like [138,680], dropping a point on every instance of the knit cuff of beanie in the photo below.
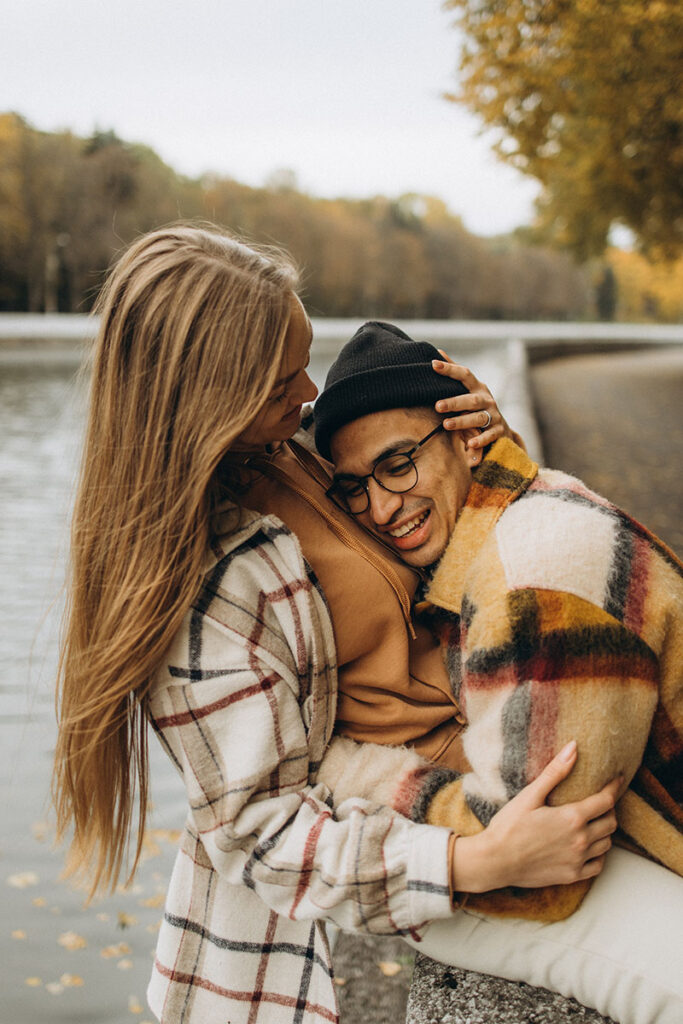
[380,368]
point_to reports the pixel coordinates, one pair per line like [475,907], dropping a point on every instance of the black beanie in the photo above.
[380,368]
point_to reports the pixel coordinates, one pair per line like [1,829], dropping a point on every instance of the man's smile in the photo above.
[410,532]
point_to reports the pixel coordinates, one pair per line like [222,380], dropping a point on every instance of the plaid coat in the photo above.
[244,706]
[561,617]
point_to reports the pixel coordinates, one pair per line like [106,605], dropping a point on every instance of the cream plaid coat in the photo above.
[245,707]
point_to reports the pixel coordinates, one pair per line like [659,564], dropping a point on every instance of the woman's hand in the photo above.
[529,844]
[478,409]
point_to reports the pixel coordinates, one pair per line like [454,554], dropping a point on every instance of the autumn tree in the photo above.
[586,96]
[68,204]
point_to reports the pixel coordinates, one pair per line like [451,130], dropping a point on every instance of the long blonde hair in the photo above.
[191,337]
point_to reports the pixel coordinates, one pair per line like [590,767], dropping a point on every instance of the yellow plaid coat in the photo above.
[561,618]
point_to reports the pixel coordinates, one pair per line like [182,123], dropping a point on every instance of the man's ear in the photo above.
[473,456]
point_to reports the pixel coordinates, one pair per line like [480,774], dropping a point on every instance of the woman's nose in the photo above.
[307,391]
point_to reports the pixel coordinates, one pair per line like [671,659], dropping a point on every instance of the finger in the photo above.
[487,436]
[475,401]
[553,773]
[592,868]
[456,371]
[594,807]
[598,849]
[601,827]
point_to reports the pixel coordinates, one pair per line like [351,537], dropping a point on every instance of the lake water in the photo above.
[61,961]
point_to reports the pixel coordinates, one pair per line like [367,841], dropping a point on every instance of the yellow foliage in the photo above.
[587,96]
[647,290]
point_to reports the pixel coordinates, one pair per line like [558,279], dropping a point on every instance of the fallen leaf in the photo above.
[124,965]
[33,982]
[71,980]
[40,830]
[54,988]
[153,901]
[23,879]
[134,1005]
[18,933]
[120,949]
[389,968]
[340,981]
[39,901]
[124,920]
[72,940]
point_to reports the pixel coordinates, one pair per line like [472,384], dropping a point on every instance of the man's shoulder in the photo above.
[560,535]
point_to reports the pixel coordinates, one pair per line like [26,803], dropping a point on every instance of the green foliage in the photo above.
[68,205]
[586,96]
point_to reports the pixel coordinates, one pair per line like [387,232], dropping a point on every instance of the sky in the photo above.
[347,94]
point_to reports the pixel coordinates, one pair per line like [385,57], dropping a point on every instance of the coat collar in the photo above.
[505,473]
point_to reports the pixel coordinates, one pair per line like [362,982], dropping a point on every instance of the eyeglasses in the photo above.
[396,473]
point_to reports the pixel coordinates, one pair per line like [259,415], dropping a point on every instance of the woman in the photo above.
[186,609]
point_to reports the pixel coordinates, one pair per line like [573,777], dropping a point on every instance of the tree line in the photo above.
[69,204]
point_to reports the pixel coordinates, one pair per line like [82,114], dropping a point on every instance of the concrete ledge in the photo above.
[448,995]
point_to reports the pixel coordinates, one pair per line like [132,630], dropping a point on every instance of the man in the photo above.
[559,616]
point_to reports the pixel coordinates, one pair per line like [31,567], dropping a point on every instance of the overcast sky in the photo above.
[346,93]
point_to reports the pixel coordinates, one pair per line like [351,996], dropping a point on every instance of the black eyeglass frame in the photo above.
[341,502]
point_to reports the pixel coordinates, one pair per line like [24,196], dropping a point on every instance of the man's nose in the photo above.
[383,504]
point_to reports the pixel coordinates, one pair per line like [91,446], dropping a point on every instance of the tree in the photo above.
[586,96]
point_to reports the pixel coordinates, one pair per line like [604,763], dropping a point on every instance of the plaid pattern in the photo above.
[562,618]
[245,707]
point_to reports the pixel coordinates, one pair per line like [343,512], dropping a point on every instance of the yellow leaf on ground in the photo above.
[33,982]
[389,968]
[124,920]
[22,879]
[134,1005]
[18,933]
[340,981]
[71,980]
[39,901]
[72,940]
[124,965]
[153,901]
[120,949]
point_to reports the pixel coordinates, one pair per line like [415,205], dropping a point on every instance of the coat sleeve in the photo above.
[236,713]
[562,669]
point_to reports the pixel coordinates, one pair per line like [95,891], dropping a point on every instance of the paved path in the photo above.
[616,421]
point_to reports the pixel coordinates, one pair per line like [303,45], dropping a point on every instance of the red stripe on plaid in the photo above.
[263,964]
[308,857]
[286,592]
[634,608]
[541,741]
[196,981]
[195,714]
[628,671]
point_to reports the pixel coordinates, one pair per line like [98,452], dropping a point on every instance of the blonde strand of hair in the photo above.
[191,337]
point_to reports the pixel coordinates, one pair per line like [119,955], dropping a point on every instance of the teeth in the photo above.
[408,527]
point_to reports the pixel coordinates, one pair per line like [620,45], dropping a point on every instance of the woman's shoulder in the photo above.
[243,539]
